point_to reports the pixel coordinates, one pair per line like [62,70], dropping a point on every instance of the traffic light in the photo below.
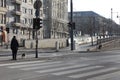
[37,23]
[71,24]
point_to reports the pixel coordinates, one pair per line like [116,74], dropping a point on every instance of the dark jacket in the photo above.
[14,44]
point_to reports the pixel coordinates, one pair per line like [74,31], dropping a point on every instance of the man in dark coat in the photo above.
[14,47]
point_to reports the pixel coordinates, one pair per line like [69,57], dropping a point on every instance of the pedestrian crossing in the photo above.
[74,70]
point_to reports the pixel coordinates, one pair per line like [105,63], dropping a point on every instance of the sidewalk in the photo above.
[43,54]
[82,47]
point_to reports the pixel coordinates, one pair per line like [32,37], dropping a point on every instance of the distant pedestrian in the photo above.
[14,47]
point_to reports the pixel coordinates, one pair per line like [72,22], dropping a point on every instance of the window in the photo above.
[25,21]
[15,31]
[1,19]
[4,19]
[30,21]
[24,10]
[1,3]
[30,11]
[4,3]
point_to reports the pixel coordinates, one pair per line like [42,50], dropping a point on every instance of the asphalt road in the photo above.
[75,66]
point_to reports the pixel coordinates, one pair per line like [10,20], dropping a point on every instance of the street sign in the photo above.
[37,4]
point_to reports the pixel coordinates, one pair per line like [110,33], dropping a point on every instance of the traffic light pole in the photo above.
[37,6]
[36,55]
[37,15]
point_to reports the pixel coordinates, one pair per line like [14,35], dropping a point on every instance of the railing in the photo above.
[103,40]
[4,9]
[17,12]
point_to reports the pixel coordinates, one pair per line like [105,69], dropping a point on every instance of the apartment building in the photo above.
[17,17]
[21,14]
[3,20]
[55,15]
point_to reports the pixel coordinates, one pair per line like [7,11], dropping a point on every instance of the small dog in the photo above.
[23,55]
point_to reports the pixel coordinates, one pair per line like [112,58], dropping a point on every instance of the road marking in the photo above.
[46,66]
[62,68]
[92,73]
[102,77]
[77,70]
[19,63]
[30,65]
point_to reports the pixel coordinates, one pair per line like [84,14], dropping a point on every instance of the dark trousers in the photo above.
[14,54]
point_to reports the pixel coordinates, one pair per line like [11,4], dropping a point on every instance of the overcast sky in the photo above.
[102,7]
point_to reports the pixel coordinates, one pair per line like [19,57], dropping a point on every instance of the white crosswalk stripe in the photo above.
[20,63]
[92,73]
[50,66]
[73,69]
[102,77]
[61,68]
[77,70]
[28,65]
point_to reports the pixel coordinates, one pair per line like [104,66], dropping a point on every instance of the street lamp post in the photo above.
[112,29]
[119,23]
[118,18]
[111,22]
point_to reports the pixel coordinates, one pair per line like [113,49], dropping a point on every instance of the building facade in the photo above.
[3,20]
[16,16]
[87,22]
[55,18]
[93,24]
[21,14]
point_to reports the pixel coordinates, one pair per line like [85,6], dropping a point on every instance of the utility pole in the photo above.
[71,21]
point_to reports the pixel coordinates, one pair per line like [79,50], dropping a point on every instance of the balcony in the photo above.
[16,24]
[17,1]
[3,9]
[2,24]
[15,12]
